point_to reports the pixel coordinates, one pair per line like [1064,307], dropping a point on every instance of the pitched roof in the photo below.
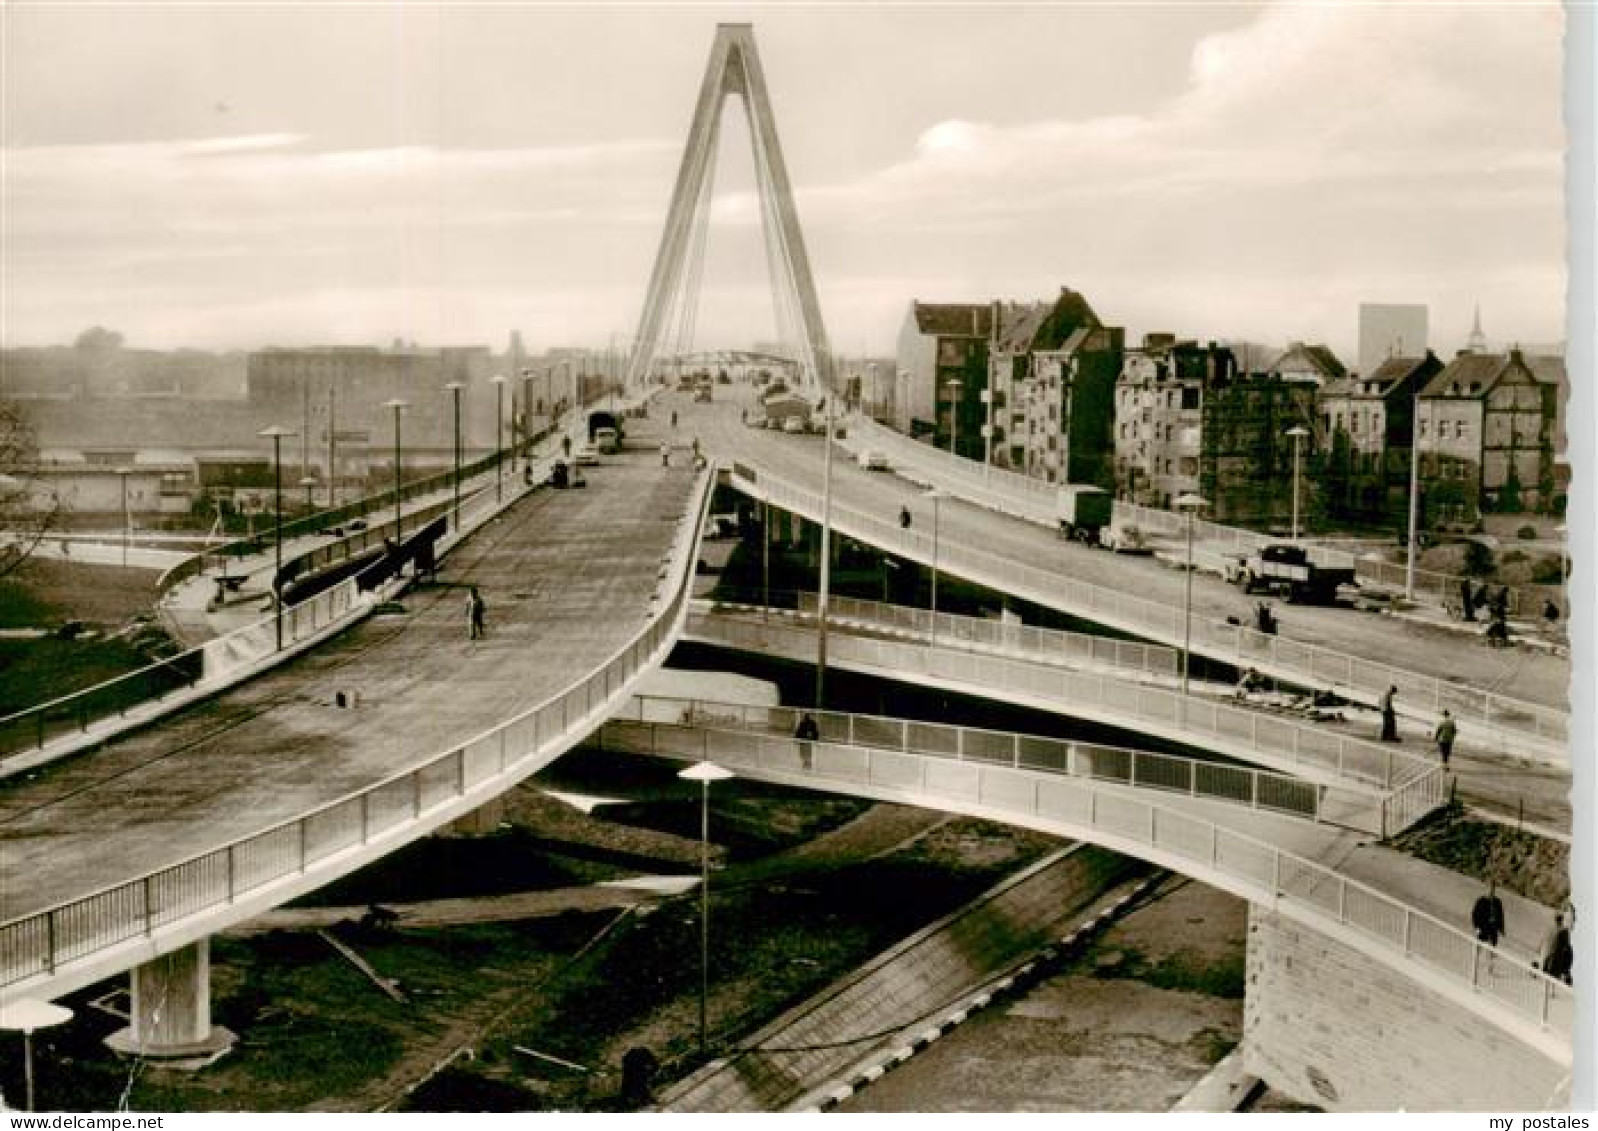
[954,319]
[1470,375]
[1319,358]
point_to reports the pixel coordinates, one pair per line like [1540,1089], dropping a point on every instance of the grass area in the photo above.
[1522,862]
[36,671]
[44,592]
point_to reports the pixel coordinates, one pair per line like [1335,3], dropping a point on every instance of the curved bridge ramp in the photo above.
[1198,840]
[1372,785]
[243,802]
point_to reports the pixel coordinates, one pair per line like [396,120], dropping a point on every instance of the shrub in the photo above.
[1510,557]
[1526,533]
[1547,571]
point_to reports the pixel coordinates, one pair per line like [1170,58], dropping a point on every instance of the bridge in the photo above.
[371,731]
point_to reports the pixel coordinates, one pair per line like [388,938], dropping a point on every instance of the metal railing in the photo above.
[42,943]
[1032,499]
[168,682]
[1506,989]
[1195,777]
[1308,664]
[1055,645]
[1234,731]
[149,691]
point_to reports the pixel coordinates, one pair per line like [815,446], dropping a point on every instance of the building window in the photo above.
[1423,424]
[1459,429]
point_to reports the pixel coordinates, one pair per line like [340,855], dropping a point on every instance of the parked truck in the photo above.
[1287,571]
[1083,511]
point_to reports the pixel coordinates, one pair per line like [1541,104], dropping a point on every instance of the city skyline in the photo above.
[445,177]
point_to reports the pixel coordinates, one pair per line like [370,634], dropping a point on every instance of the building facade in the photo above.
[1486,433]
[1159,398]
[942,361]
[1369,423]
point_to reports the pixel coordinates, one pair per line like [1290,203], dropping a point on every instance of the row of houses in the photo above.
[1048,390]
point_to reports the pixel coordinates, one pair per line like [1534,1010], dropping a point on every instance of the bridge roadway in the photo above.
[890,642]
[569,577]
[1284,862]
[1536,678]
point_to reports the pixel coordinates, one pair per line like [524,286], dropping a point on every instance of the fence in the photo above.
[1496,985]
[1308,664]
[1195,777]
[1337,759]
[151,690]
[1034,500]
[977,632]
[40,944]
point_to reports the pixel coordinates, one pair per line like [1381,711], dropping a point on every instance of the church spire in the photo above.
[1477,342]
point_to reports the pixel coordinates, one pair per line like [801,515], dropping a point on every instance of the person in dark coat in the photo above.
[807,732]
[1445,734]
[476,609]
[1389,716]
[1501,603]
[1487,916]
[1467,601]
[904,518]
[1558,956]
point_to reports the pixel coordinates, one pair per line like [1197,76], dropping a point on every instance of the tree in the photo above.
[24,521]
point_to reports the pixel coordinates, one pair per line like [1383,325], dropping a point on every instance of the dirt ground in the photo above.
[1129,1025]
[1529,865]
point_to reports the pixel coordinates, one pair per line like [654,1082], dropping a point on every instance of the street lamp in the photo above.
[26,1016]
[276,434]
[455,388]
[953,385]
[987,431]
[1298,432]
[527,415]
[1414,495]
[127,517]
[1189,504]
[398,406]
[309,483]
[704,773]
[937,496]
[499,437]
[826,554]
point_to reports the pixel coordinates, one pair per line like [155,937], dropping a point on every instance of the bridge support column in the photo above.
[171,1015]
[481,821]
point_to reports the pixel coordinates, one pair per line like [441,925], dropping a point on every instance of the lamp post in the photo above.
[127,516]
[398,406]
[309,483]
[455,388]
[937,496]
[499,437]
[1414,497]
[26,1016]
[953,385]
[276,433]
[1188,503]
[1298,432]
[826,554]
[704,773]
[987,432]
[527,415]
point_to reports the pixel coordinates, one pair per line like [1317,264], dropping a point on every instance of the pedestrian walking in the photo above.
[1501,603]
[904,518]
[1389,716]
[1550,612]
[807,733]
[1498,632]
[1558,956]
[476,609]
[1264,619]
[665,454]
[1445,734]
[1487,916]
[1481,596]
[674,418]
[1467,601]
[696,448]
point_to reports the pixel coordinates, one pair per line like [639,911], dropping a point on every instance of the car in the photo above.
[873,459]
[586,455]
[1124,538]
[794,426]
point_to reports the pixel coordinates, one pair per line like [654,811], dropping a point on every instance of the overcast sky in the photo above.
[235,176]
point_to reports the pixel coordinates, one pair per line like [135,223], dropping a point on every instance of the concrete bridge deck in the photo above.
[1432,654]
[569,577]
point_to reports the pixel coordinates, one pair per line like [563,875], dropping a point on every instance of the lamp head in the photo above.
[705,772]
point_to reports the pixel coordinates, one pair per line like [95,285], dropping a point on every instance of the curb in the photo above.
[1019,978]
